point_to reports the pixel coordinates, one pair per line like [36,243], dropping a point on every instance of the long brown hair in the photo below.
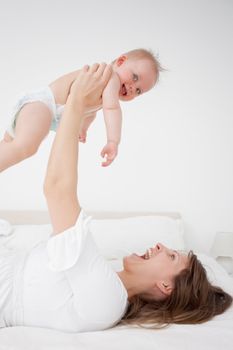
[193,300]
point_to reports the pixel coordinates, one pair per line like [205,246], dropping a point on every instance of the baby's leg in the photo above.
[33,124]
[85,125]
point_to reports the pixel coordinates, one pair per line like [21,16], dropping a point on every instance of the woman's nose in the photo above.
[159,246]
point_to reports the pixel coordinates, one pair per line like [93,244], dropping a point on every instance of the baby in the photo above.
[37,112]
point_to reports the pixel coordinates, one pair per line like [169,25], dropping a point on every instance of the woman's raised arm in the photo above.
[60,185]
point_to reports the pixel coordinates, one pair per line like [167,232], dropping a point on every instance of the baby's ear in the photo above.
[120,60]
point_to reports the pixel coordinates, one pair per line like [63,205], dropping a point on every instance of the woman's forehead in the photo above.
[183,259]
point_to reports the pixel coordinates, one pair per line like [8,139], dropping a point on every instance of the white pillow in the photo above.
[114,237]
[26,236]
[119,237]
[5,228]
[217,275]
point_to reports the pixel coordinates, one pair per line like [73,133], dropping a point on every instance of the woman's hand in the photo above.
[88,87]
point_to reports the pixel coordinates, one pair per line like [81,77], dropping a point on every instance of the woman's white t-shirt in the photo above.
[69,286]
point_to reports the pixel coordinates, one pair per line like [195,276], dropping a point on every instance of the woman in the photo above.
[65,284]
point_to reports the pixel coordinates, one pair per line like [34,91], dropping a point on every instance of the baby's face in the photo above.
[136,77]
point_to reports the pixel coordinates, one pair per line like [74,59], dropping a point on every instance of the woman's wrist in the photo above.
[76,102]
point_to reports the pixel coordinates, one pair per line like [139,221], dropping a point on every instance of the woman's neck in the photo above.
[129,283]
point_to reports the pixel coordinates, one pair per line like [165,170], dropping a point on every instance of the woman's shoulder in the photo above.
[65,248]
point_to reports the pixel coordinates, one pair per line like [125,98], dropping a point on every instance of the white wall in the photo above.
[176,150]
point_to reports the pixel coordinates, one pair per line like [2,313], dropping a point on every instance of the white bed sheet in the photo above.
[214,335]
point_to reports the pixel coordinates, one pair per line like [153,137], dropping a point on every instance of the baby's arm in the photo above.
[85,126]
[113,119]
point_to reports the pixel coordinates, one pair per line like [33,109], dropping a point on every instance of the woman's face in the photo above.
[156,269]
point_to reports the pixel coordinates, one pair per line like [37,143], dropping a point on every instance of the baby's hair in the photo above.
[140,54]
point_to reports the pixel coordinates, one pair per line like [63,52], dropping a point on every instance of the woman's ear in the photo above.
[120,60]
[165,287]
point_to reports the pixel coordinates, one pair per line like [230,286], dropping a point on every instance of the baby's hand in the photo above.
[110,152]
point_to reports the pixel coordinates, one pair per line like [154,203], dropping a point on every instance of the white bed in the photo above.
[117,234]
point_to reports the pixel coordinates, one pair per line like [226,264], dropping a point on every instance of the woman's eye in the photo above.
[138,91]
[173,256]
[135,77]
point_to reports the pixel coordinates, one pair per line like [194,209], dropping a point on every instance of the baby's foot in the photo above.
[82,136]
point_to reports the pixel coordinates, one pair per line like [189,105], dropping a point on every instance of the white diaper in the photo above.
[44,95]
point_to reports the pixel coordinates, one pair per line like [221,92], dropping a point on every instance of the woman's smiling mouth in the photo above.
[123,90]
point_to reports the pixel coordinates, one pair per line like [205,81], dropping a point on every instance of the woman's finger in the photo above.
[100,70]
[107,74]
[86,68]
[94,68]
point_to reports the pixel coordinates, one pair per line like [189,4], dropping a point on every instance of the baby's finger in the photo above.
[103,153]
[107,162]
